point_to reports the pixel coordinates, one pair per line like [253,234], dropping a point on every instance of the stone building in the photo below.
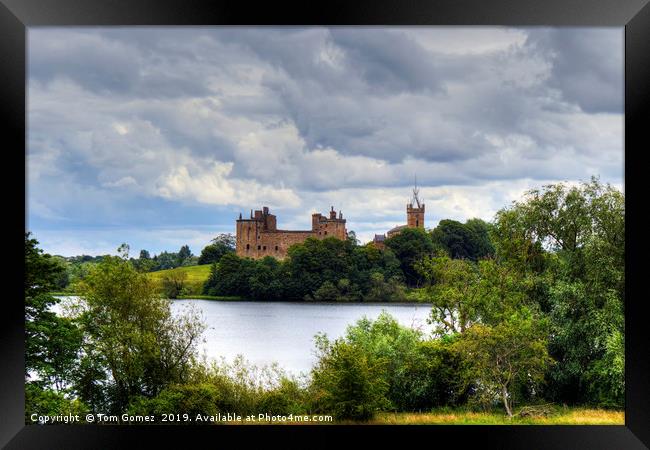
[414,219]
[259,236]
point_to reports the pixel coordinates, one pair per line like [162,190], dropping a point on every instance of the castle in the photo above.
[258,236]
[414,219]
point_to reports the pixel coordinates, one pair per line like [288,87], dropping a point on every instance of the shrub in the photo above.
[202,399]
[47,402]
[288,398]
[347,383]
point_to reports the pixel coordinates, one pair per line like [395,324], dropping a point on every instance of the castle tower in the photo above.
[331,226]
[415,210]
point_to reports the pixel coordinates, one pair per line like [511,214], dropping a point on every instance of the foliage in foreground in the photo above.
[538,320]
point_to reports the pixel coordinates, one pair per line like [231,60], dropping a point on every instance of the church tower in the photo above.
[415,210]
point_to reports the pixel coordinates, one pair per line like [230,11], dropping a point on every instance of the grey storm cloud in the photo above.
[367,91]
[105,65]
[587,65]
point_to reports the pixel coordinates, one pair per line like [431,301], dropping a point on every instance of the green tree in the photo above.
[395,347]
[327,292]
[230,276]
[571,239]
[225,239]
[481,242]
[123,250]
[408,373]
[502,289]
[165,260]
[352,237]
[346,383]
[506,356]
[463,241]
[410,246]
[51,342]
[265,279]
[212,253]
[77,271]
[63,280]
[47,402]
[381,290]
[316,261]
[453,287]
[222,244]
[184,254]
[132,332]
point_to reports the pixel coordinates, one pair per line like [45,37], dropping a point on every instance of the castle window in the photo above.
[417,222]
[326,232]
[259,247]
[248,246]
[264,248]
[276,248]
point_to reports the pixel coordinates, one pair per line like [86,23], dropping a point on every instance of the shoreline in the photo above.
[226,298]
[306,303]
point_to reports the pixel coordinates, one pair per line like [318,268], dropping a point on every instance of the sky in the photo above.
[160,136]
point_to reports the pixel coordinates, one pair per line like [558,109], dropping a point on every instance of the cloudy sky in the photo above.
[160,137]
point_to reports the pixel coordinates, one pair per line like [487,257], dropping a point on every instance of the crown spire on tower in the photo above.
[416,191]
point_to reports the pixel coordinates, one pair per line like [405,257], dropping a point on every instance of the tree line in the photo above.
[76,268]
[342,270]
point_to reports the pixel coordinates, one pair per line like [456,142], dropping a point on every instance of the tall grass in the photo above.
[559,416]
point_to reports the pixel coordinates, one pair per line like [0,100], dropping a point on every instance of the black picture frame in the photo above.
[17,15]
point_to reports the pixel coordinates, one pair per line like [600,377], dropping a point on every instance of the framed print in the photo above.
[338,217]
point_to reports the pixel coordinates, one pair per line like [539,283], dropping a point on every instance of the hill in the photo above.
[196,276]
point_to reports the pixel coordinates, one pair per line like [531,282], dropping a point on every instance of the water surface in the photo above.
[283,332]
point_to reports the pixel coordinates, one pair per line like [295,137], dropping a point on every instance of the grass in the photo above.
[196,277]
[559,416]
[462,416]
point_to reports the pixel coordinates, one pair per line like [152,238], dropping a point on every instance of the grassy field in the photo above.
[460,416]
[559,416]
[196,277]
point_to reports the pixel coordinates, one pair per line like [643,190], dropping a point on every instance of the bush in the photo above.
[288,398]
[47,402]
[204,399]
[347,383]
[436,376]
[173,285]
[420,374]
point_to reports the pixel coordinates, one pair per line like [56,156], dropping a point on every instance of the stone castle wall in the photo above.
[258,236]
